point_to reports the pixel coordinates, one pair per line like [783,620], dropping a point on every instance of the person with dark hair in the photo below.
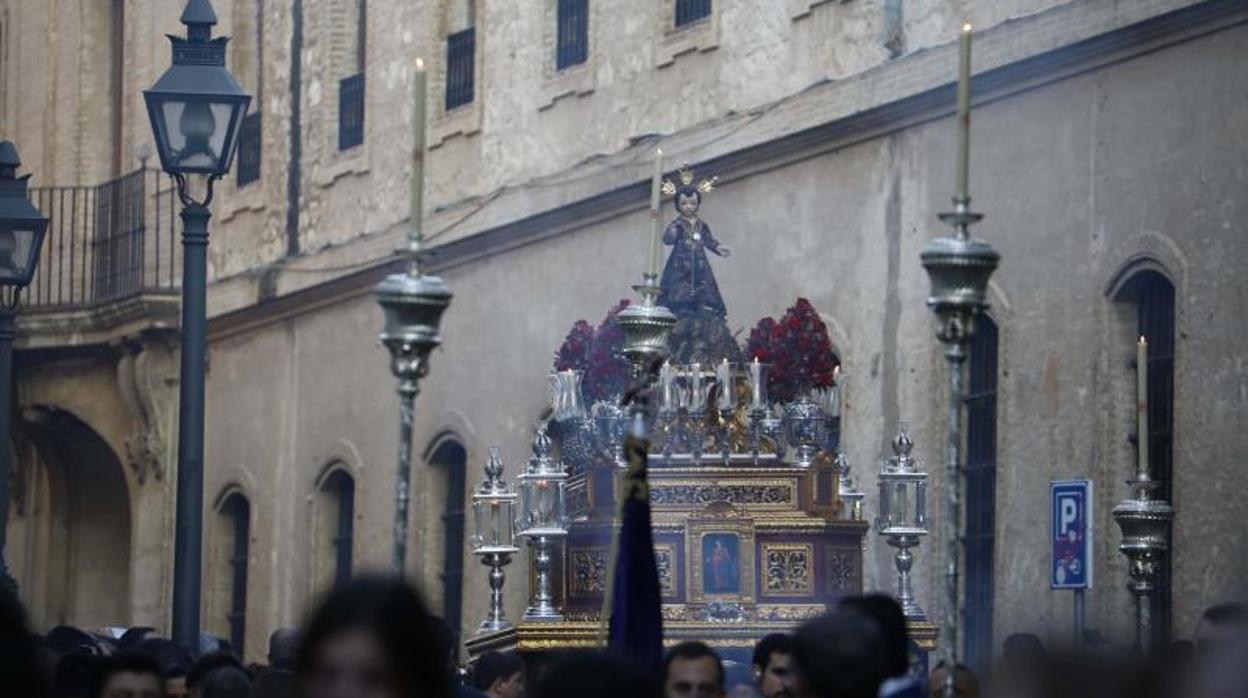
[66,639]
[203,667]
[74,675]
[133,636]
[283,648]
[693,670]
[228,681]
[887,614]
[22,671]
[499,675]
[773,666]
[841,655]
[127,676]
[174,661]
[596,675]
[1221,626]
[965,684]
[373,637]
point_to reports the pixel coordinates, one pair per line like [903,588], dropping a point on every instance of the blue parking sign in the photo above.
[1071,534]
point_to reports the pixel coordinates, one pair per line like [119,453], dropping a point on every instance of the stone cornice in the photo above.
[1016,55]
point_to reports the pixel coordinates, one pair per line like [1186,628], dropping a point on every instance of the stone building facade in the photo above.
[1108,151]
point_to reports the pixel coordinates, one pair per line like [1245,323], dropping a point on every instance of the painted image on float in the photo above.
[721,569]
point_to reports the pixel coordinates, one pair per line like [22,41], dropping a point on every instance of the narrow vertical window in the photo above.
[461,49]
[351,88]
[339,489]
[981,485]
[452,459]
[690,11]
[1153,297]
[572,45]
[248,46]
[237,511]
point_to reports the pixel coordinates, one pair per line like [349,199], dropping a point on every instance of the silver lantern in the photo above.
[543,521]
[494,510]
[902,517]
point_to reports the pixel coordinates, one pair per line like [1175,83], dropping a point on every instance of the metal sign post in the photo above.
[1071,539]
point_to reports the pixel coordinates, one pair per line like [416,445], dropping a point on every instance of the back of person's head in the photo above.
[1022,647]
[106,669]
[174,660]
[207,664]
[594,675]
[841,655]
[133,636]
[275,683]
[965,684]
[694,650]
[225,682]
[783,643]
[74,675]
[22,671]
[66,639]
[887,613]
[283,648]
[393,615]
[1221,626]
[495,666]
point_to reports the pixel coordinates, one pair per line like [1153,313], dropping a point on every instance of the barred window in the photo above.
[981,484]
[461,49]
[572,38]
[690,11]
[235,512]
[451,458]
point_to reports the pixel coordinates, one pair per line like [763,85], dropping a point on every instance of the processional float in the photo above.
[757,524]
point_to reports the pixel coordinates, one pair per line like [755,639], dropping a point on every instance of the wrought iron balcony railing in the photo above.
[106,243]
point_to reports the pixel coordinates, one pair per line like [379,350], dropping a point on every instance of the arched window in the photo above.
[450,457]
[1152,294]
[233,547]
[336,527]
[981,492]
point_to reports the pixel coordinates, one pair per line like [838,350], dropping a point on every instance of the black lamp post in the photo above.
[195,108]
[21,235]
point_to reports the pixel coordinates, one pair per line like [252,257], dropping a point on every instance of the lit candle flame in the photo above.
[966,28]
[420,64]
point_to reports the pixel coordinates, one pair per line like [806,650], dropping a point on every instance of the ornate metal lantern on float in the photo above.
[494,511]
[902,517]
[543,522]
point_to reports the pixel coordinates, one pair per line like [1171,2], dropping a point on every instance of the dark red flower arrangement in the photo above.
[799,350]
[597,353]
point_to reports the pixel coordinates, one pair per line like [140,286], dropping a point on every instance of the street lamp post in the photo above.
[22,228]
[195,109]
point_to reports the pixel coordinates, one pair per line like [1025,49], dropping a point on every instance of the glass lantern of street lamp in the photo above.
[197,106]
[22,227]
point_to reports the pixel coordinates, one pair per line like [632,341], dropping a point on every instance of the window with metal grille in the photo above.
[341,488]
[690,11]
[351,111]
[249,149]
[572,45]
[1153,295]
[238,511]
[451,457]
[461,51]
[981,488]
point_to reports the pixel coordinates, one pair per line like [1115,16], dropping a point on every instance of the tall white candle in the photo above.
[655,222]
[756,385]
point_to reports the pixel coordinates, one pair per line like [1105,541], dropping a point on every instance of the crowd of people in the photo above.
[375,638]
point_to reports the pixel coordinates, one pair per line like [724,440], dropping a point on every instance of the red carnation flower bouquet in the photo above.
[798,349]
[598,355]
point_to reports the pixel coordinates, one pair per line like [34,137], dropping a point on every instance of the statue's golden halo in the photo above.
[686,178]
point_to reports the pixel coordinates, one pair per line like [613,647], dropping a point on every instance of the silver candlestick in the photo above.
[494,505]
